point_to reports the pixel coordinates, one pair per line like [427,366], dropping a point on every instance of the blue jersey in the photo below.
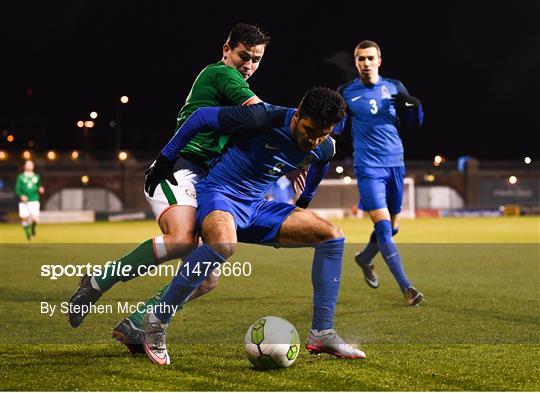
[261,150]
[374,122]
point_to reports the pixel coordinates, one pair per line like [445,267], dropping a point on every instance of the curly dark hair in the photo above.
[324,106]
[248,35]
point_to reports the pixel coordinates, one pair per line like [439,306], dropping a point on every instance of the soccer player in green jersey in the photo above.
[28,187]
[174,201]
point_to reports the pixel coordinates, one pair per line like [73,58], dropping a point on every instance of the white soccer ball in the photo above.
[272,342]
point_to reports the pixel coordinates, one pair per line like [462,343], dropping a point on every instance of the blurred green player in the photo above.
[174,202]
[28,187]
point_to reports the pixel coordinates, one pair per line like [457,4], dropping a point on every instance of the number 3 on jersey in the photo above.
[374,108]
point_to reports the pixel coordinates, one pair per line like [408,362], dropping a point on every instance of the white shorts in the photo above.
[27,209]
[167,195]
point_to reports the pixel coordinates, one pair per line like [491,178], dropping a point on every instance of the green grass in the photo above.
[479,328]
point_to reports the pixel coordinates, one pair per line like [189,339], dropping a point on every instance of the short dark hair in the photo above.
[324,106]
[248,35]
[367,44]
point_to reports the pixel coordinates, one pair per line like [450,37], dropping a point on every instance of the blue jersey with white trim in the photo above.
[261,150]
[374,122]
[253,163]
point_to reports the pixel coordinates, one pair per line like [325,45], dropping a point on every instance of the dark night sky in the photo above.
[475,69]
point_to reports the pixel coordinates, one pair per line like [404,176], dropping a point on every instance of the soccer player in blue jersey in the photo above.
[267,143]
[377,108]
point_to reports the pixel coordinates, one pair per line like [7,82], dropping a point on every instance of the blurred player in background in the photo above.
[377,108]
[282,191]
[173,202]
[28,187]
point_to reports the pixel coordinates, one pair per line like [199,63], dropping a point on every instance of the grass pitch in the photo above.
[479,328]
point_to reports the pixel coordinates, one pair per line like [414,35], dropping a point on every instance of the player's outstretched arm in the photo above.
[228,120]
[202,119]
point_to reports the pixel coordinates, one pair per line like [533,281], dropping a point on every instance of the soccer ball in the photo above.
[272,342]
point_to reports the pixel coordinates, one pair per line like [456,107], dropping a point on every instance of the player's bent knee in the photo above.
[224,249]
[179,245]
[331,232]
[337,232]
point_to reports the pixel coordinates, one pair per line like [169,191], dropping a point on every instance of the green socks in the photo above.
[143,255]
[27,231]
[137,317]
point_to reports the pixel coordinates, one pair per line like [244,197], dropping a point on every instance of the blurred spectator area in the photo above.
[115,185]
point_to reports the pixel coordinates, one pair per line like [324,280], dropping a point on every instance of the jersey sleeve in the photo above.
[228,120]
[252,118]
[19,186]
[233,86]
[315,175]
[328,149]
[317,171]
[345,124]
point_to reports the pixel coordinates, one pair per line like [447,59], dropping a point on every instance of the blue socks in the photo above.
[193,272]
[372,248]
[325,276]
[390,253]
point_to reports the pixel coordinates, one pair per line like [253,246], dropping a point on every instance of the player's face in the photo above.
[244,59]
[28,166]
[307,134]
[367,63]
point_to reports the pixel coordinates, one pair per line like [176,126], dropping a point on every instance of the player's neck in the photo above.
[28,173]
[370,81]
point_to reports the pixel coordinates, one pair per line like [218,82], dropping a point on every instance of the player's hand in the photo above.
[161,169]
[297,179]
[403,101]
[24,198]
[302,202]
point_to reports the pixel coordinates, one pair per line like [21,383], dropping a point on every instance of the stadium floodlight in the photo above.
[339,169]
[10,138]
[527,160]
[74,155]
[51,155]
[85,179]
[124,99]
[438,160]
[3,155]
[122,156]
[512,180]
[26,155]
[89,124]
[93,115]
[80,124]
[347,180]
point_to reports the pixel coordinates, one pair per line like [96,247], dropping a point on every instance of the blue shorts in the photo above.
[256,221]
[380,188]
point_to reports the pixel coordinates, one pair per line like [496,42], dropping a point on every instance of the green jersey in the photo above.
[216,85]
[28,186]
